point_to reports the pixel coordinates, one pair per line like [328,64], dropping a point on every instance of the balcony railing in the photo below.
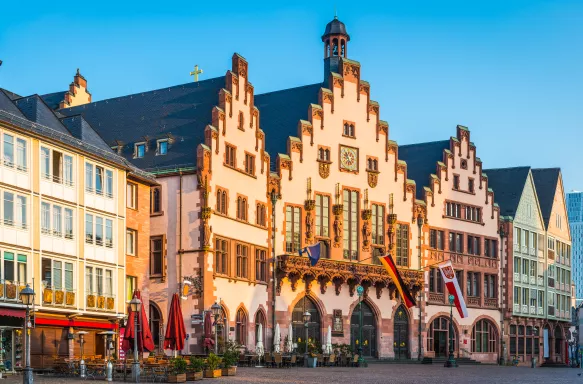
[533,251]
[532,310]
[551,311]
[516,307]
[540,280]
[525,278]
[524,308]
[100,302]
[490,302]
[532,280]
[473,300]
[524,249]
[435,297]
[59,296]
[517,277]
[10,290]
[540,311]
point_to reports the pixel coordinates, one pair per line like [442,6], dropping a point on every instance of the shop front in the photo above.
[11,338]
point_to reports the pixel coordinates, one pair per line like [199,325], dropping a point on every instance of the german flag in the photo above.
[390,266]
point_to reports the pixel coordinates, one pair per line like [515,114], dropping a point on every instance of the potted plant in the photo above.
[212,366]
[230,358]
[195,368]
[177,370]
[313,351]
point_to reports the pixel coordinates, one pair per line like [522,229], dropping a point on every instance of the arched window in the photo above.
[260,212]
[346,131]
[327,48]
[369,163]
[343,50]
[327,155]
[241,327]
[259,319]
[321,154]
[155,323]
[224,203]
[438,337]
[484,337]
[352,133]
[299,330]
[242,208]
[375,165]
[241,120]
[335,47]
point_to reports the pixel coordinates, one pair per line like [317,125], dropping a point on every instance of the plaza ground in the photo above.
[380,373]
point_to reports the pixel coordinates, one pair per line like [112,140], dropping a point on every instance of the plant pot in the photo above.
[212,373]
[312,362]
[193,376]
[231,371]
[179,378]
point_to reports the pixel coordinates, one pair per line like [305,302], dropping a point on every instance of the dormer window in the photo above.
[140,150]
[162,147]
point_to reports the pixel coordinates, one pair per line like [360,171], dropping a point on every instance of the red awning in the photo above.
[74,323]
[12,312]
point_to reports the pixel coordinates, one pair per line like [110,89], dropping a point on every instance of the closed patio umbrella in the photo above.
[208,331]
[259,350]
[175,331]
[277,339]
[145,340]
[328,346]
[289,345]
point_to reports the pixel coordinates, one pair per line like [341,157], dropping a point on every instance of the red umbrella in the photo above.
[145,340]
[175,331]
[208,331]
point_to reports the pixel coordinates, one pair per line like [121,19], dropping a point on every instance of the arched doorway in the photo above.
[438,337]
[299,330]
[369,330]
[155,324]
[401,334]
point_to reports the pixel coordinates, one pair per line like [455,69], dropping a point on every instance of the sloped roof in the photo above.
[7,105]
[422,161]
[280,112]
[545,181]
[83,131]
[508,185]
[53,99]
[11,95]
[181,112]
[35,109]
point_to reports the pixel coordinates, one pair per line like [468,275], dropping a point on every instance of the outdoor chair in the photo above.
[293,361]
[268,360]
[243,361]
[332,360]
[277,360]
[355,360]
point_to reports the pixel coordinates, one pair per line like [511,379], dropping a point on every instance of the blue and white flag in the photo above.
[313,252]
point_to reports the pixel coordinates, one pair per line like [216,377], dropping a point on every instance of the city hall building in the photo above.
[244,181]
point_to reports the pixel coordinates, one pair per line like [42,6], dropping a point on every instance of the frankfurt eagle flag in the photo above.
[453,287]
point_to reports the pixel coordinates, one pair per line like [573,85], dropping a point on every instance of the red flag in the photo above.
[453,287]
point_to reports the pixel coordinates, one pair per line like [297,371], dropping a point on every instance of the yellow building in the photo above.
[62,230]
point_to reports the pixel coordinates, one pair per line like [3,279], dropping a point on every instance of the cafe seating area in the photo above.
[283,360]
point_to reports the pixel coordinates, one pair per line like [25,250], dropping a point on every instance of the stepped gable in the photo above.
[280,113]
[422,161]
[545,182]
[179,113]
[508,184]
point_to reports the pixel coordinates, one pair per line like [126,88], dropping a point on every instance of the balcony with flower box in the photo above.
[58,296]
[10,291]
[100,302]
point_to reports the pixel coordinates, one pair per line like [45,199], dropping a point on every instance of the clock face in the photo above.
[349,158]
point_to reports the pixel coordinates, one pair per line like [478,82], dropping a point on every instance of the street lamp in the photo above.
[82,367]
[420,228]
[27,296]
[451,363]
[306,317]
[360,292]
[216,311]
[136,307]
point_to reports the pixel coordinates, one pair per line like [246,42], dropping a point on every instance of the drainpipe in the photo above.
[180,251]
[502,233]
[420,228]
[274,277]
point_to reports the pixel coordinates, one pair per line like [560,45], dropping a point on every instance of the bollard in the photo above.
[82,368]
[109,371]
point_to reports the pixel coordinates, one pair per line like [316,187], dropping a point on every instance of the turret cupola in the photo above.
[335,40]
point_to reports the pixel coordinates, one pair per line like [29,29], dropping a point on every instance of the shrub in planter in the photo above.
[177,370]
[230,359]
[194,371]
[212,369]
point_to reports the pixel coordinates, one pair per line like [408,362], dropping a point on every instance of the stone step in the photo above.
[442,360]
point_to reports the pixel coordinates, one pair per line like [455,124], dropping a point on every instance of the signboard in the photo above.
[197,319]
[338,325]
[121,352]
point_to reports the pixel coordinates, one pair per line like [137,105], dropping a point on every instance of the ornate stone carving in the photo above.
[309,225]
[324,170]
[323,281]
[373,179]
[337,210]
[338,281]
[366,229]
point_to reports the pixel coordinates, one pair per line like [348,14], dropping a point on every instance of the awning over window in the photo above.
[12,312]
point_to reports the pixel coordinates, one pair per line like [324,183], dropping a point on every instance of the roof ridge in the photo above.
[289,89]
[143,92]
[508,168]
[424,143]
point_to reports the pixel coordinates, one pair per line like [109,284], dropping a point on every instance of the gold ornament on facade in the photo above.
[373,179]
[324,170]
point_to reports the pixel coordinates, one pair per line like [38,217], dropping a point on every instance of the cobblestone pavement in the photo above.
[377,374]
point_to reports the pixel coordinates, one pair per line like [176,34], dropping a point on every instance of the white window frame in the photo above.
[67,166]
[136,150]
[131,241]
[131,195]
[57,220]
[91,177]
[105,228]
[159,147]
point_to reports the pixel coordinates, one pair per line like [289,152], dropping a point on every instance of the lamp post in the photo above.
[420,347]
[451,363]
[27,296]
[216,311]
[82,366]
[306,317]
[136,307]
[360,292]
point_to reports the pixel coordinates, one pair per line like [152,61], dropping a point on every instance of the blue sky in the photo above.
[512,71]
